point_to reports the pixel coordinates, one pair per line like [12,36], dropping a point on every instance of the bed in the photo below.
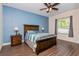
[38,42]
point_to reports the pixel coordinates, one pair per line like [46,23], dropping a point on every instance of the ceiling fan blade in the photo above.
[55,4]
[55,8]
[46,4]
[43,8]
[49,4]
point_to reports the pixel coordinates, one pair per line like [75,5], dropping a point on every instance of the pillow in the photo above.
[30,31]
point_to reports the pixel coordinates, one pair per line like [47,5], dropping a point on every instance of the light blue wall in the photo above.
[17,18]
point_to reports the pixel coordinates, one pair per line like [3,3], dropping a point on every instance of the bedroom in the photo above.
[19,18]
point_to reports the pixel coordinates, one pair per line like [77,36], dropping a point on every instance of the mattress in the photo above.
[33,37]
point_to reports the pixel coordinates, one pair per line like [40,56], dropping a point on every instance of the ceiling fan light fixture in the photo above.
[50,9]
[47,9]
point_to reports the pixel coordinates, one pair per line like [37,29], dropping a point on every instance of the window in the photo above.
[63,25]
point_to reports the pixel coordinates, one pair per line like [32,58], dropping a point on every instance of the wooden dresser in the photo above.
[16,40]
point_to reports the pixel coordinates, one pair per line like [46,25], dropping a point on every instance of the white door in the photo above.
[1,26]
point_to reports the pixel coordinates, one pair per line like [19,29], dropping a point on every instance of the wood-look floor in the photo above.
[63,48]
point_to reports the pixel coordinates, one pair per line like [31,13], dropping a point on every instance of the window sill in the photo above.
[63,34]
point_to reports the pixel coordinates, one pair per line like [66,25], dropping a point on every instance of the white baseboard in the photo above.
[4,44]
[76,42]
[9,43]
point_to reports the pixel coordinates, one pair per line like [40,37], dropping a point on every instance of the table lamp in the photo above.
[16,30]
[42,29]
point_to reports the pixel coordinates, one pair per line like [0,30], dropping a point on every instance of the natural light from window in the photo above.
[63,25]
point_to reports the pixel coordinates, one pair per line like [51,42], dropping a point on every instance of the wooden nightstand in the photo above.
[16,40]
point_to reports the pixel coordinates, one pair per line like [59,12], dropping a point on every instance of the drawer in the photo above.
[16,40]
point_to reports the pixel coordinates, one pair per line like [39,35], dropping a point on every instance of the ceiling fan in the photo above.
[50,7]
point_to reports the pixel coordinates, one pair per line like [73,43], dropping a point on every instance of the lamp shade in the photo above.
[16,29]
[42,28]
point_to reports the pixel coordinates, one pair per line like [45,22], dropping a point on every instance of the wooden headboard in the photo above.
[30,27]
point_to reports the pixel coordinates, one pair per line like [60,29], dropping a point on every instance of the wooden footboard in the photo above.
[45,44]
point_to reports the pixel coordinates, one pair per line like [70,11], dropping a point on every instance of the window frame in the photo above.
[63,29]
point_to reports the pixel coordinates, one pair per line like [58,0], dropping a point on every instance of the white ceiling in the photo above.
[35,7]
